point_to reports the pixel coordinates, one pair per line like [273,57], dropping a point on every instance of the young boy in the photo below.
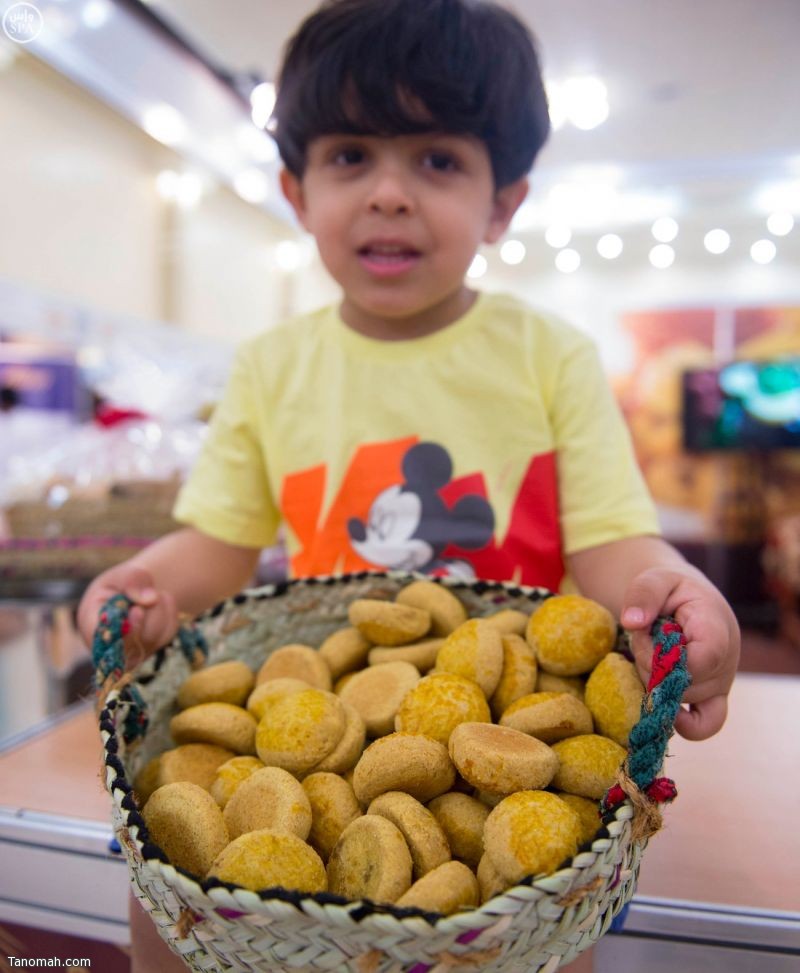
[418,424]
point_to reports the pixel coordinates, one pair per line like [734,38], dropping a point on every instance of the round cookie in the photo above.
[222,724]
[333,807]
[500,760]
[409,762]
[344,651]
[570,634]
[474,651]
[446,611]
[548,716]
[588,764]
[420,654]
[185,821]
[438,703]
[267,859]
[509,621]
[446,889]
[518,677]
[377,692]
[462,819]
[230,775]
[296,662]
[546,682]
[614,694]
[387,623]
[370,861]
[225,682]
[146,781]
[424,835]
[342,681]
[530,833]
[300,730]
[195,762]
[345,754]
[265,694]
[588,814]
[269,798]
[490,881]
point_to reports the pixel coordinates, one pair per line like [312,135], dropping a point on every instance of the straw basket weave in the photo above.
[540,924]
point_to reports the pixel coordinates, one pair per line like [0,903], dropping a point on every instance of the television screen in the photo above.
[742,405]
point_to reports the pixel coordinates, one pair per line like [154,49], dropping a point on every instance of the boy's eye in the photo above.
[348,157]
[440,161]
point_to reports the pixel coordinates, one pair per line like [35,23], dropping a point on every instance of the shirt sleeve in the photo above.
[603,496]
[227,494]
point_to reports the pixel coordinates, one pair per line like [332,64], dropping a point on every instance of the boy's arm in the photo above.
[186,571]
[640,578]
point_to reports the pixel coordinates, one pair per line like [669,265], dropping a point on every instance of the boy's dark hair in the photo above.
[396,67]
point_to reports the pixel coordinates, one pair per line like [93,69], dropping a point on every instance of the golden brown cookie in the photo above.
[518,677]
[344,651]
[491,882]
[446,611]
[614,694]
[409,762]
[146,781]
[462,819]
[530,833]
[474,651]
[588,765]
[333,807]
[445,889]
[588,814]
[225,682]
[377,692]
[387,623]
[296,662]
[265,694]
[546,682]
[509,621]
[195,762]
[300,730]
[185,821]
[438,703]
[500,760]
[230,774]
[370,861]
[267,859]
[345,754]
[420,654]
[570,634]
[269,798]
[222,724]
[548,716]
[424,835]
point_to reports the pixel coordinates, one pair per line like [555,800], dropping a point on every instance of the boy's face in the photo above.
[397,222]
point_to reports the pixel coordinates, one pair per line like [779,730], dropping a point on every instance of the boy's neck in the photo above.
[407,327]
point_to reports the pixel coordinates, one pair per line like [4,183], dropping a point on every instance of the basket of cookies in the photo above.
[386,772]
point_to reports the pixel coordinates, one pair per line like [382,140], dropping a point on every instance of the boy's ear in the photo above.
[505,204]
[292,189]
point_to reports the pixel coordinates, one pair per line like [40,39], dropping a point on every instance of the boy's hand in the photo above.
[712,641]
[153,616]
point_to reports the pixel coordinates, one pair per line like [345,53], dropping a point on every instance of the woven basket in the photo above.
[539,925]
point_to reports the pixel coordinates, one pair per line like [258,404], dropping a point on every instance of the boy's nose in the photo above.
[389,196]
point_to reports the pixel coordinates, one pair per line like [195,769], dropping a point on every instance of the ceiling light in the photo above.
[717,241]
[96,13]
[512,252]
[165,124]
[665,229]
[609,246]
[779,197]
[568,261]
[478,267]
[252,185]
[780,223]
[662,256]
[262,101]
[582,101]
[763,251]
[558,235]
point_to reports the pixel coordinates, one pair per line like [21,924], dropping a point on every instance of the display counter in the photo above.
[718,889]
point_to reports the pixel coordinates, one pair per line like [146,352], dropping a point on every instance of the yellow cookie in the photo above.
[146,781]
[518,677]
[225,682]
[230,774]
[370,861]
[267,859]
[509,621]
[438,703]
[424,835]
[614,694]
[570,634]
[195,762]
[420,654]
[500,760]
[446,611]
[491,882]
[297,662]
[446,889]
[387,623]
[474,651]
[546,682]
[377,692]
[548,716]
[408,762]
[462,819]
[345,754]
[588,764]
[300,730]
[266,693]
[222,724]
[530,833]
[344,651]
[588,813]
[333,807]
[269,798]
[185,821]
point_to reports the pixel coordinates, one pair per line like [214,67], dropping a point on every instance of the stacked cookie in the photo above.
[417,757]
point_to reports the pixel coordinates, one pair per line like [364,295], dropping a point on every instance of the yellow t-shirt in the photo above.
[490,448]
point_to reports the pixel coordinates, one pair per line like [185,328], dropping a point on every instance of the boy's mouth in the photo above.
[386,259]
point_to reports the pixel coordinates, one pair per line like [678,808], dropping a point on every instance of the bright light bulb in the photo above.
[717,241]
[568,261]
[165,124]
[665,229]
[585,102]
[252,185]
[96,13]
[662,256]
[512,252]
[780,223]
[609,246]
[558,235]
[262,101]
[478,267]
[763,251]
